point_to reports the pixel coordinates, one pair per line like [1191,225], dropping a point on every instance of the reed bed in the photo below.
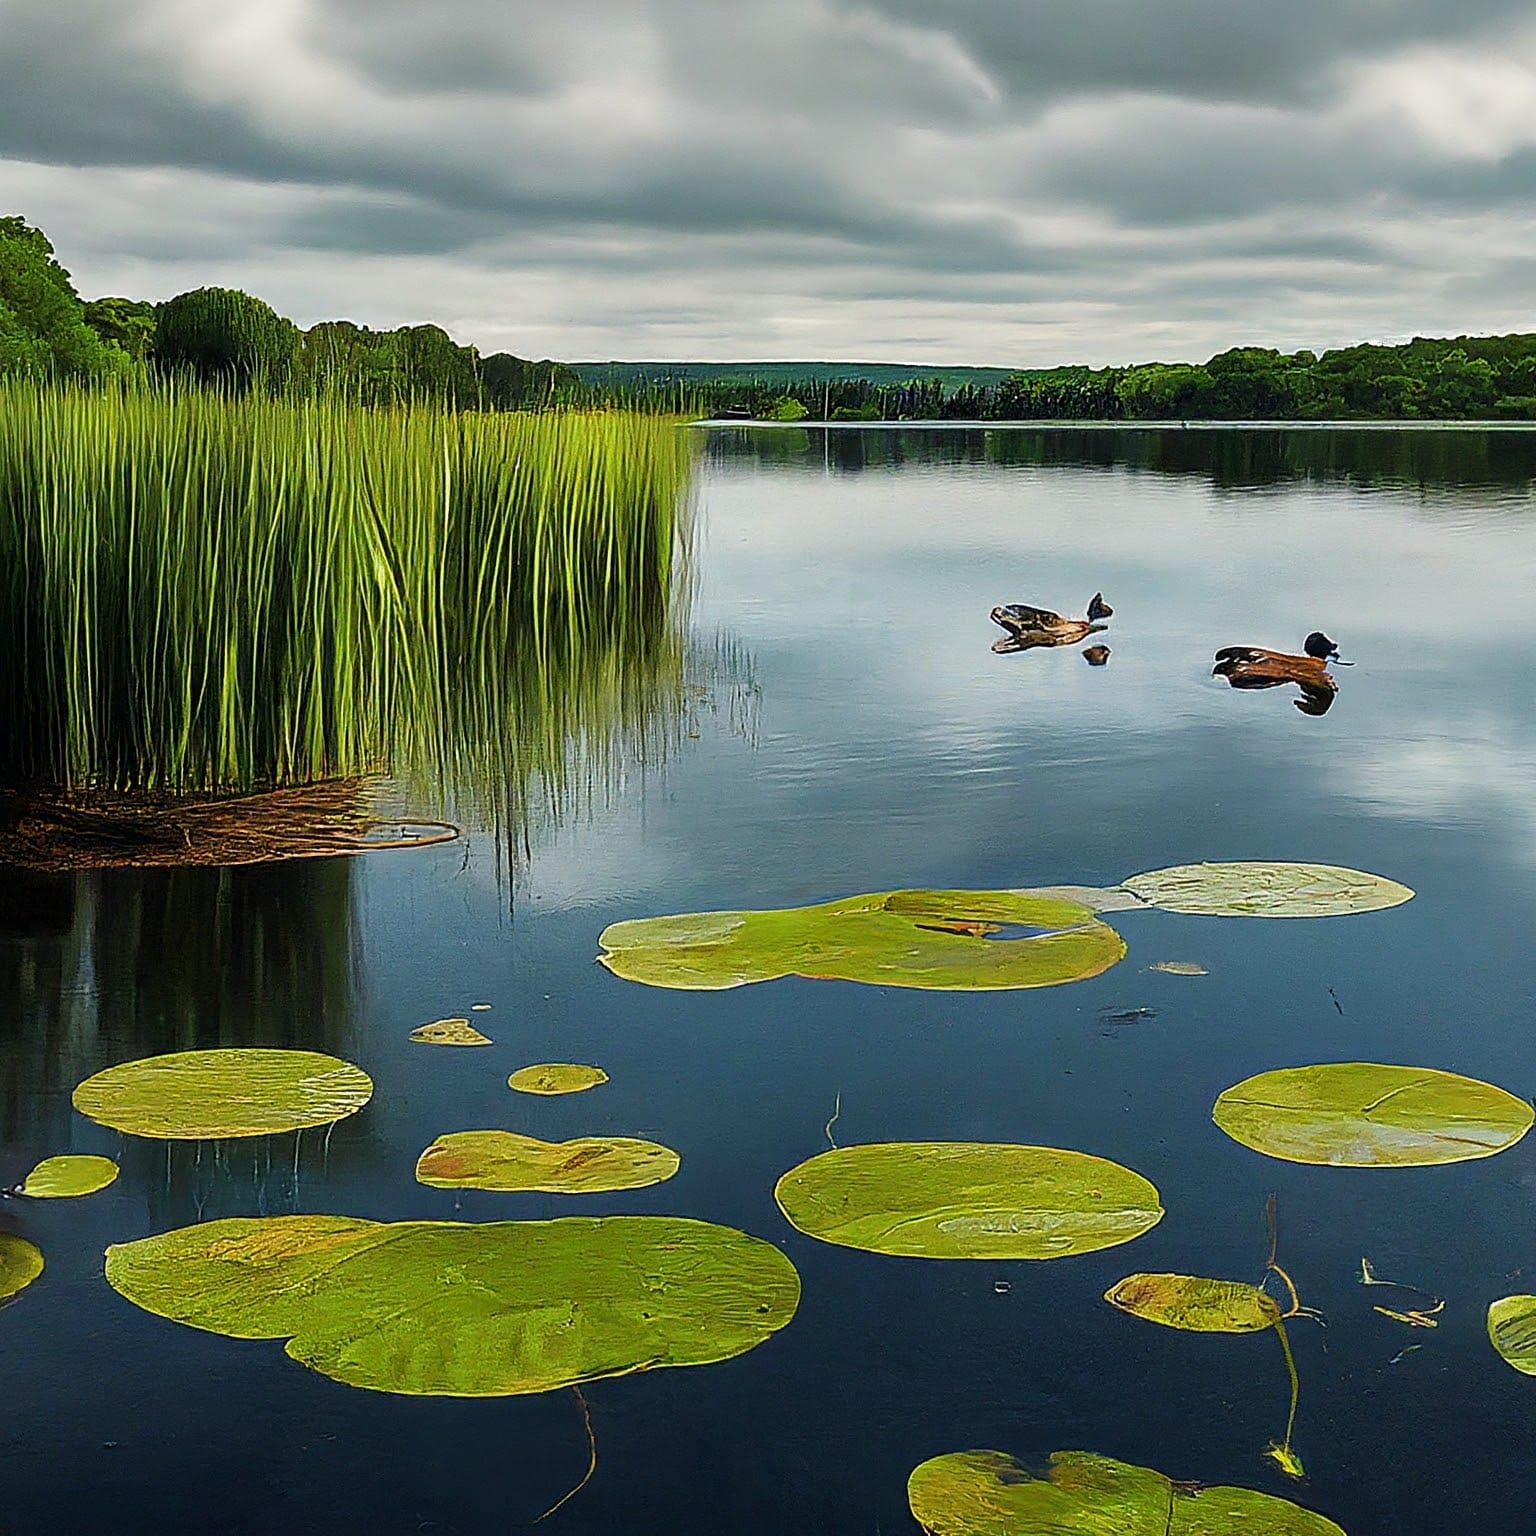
[206,594]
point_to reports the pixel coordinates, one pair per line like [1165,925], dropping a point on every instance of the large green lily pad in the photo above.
[193,1095]
[20,1264]
[64,1178]
[1195,1304]
[967,1200]
[1357,1114]
[1512,1330]
[503,1160]
[460,1309]
[948,940]
[1262,889]
[986,1493]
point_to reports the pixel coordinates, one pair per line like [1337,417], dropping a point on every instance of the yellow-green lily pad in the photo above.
[193,1095]
[450,1032]
[967,1200]
[1356,1114]
[1512,1329]
[1195,1304]
[20,1264]
[987,1493]
[946,940]
[1262,889]
[555,1077]
[486,1309]
[64,1178]
[503,1160]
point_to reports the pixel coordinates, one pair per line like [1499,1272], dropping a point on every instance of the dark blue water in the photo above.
[867,738]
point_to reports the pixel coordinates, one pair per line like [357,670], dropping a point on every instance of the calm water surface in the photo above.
[858,734]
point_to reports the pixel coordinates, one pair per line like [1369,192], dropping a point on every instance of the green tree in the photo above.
[128,324]
[42,321]
[225,336]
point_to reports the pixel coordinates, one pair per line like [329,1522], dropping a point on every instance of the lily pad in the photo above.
[1512,1328]
[986,1493]
[1357,1114]
[1196,1304]
[486,1309]
[63,1178]
[450,1032]
[1178,968]
[503,1160]
[193,1095]
[554,1077]
[20,1264]
[946,940]
[967,1200]
[1266,890]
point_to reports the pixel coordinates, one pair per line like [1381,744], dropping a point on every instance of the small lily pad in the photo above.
[63,1178]
[967,1200]
[1195,1304]
[450,1032]
[1178,968]
[503,1160]
[197,1095]
[1356,1114]
[468,1309]
[553,1077]
[945,940]
[1266,890]
[986,1493]
[20,1264]
[1512,1329]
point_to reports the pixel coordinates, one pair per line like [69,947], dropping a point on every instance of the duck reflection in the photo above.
[1251,666]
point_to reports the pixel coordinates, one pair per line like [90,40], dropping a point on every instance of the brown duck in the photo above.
[1251,666]
[1028,626]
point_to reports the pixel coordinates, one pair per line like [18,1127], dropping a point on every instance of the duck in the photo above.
[1029,626]
[1252,666]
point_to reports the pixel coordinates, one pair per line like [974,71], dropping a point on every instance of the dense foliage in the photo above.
[223,335]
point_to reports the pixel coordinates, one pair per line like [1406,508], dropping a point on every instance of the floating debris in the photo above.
[450,1032]
[1178,968]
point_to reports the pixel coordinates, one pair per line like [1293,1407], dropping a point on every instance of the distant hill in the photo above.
[638,375]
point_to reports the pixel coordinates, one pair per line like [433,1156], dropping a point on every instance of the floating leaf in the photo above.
[192,1095]
[460,1309]
[967,1200]
[985,1493]
[1178,968]
[1196,1304]
[62,1178]
[1266,890]
[450,1032]
[503,1160]
[20,1264]
[1357,1114]
[1512,1328]
[952,940]
[552,1077]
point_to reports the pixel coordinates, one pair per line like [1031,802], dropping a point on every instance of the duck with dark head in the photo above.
[1029,627]
[1251,666]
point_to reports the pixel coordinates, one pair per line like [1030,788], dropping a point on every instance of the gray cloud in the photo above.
[638,177]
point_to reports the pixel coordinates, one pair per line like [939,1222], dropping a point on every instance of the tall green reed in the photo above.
[204,593]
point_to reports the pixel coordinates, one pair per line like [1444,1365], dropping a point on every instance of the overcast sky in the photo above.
[1015,182]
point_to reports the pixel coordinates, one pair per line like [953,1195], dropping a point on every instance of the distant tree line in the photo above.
[1467,377]
[226,337]
[221,335]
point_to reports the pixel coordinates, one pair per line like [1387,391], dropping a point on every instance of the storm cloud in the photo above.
[999,181]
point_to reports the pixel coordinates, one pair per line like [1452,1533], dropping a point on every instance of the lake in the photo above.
[844,726]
